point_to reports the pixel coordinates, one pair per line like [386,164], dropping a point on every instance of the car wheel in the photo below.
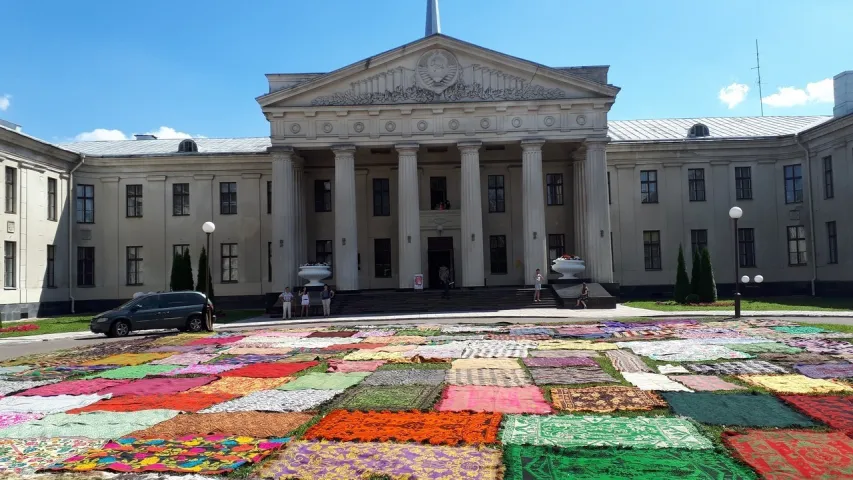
[195,324]
[119,329]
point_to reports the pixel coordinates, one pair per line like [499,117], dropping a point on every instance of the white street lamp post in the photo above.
[208,228]
[735,213]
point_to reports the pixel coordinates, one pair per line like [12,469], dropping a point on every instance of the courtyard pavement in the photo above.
[463,397]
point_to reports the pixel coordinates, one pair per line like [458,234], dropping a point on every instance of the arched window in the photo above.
[699,130]
[187,146]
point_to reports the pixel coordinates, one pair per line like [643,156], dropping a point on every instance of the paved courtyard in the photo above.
[658,399]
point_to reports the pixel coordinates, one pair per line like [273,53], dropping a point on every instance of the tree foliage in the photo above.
[707,284]
[182,272]
[204,278]
[682,282]
[695,273]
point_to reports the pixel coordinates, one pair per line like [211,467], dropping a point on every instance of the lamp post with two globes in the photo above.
[208,228]
[735,213]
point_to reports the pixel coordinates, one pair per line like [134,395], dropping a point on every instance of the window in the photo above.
[554,188]
[797,245]
[187,146]
[609,198]
[698,241]
[832,237]
[438,192]
[496,194]
[743,183]
[151,302]
[793,184]
[699,130]
[746,247]
[180,199]
[649,186]
[651,249]
[134,265]
[85,204]
[269,261]
[322,196]
[324,251]
[382,257]
[381,197]
[86,266]
[51,199]
[556,246]
[229,263]
[50,269]
[828,184]
[696,184]
[9,266]
[228,198]
[269,198]
[134,200]
[11,189]
[497,254]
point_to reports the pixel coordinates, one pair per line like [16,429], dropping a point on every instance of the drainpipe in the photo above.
[69,193]
[797,138]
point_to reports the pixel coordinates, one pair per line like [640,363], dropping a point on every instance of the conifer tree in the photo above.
[682,282]
[204,278]
[696,273]
[707,284]
[187,271]
[175,278]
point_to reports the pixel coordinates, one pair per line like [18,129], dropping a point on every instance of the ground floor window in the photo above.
[50,270]
[134,265]
[497,254]
[382,257]
[797,245]
[86,266]
[9,265]
[651,249]
[746,247]
[228,270]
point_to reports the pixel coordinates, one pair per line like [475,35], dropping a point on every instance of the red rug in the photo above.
[794,454]
[187,402]
[835,411]
[269,370]
[337,334]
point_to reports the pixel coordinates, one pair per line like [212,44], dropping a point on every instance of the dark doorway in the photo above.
[438,194]
[439,252]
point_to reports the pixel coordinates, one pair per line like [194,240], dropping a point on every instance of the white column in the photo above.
[598,212]
[345,249]
[283,218]
[473,268]
[408,215]
[580,198]
[300,240]
[533,195]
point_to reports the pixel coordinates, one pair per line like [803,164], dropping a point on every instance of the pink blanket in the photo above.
[458,398]
[151,386]
[73,387]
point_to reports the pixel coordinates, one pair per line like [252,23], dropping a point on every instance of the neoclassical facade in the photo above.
[435,153]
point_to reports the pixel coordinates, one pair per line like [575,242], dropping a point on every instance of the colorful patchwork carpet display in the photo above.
[643,400]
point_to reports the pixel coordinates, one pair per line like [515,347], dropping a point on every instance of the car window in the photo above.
[181,299]
[150,302]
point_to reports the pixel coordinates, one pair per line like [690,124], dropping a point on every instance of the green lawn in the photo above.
[764,304]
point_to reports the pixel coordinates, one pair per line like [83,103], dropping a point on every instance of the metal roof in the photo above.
[118,148]
[720,127]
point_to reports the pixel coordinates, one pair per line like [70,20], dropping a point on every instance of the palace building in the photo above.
[438,152]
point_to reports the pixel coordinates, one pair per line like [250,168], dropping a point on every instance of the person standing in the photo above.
[584,296]
[306,302]
[537,286]
[444,277]
[286,299]
[327,296]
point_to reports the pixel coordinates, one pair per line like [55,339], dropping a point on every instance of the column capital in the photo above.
[407,148]
[298,162]
[343,149]
[596,144]
[281,152]
[579,155]
[469,146]
[532,144]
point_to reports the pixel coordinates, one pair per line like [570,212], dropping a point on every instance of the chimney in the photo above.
[145,137]
[843,87]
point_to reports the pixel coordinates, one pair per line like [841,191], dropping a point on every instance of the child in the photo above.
[306,302]
[286,298]
[584,296]
[537,286]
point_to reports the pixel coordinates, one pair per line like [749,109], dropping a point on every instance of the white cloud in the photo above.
[163,132]
[733,94]
[5,101]
[815,92]
[169,132]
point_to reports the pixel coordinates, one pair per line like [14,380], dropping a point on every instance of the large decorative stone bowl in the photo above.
[568,268]
[315,273]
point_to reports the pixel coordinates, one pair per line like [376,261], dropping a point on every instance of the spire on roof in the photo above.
[433,23]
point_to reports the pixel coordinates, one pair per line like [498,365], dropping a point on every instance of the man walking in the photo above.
[537,286]
[286,298]
[444,276]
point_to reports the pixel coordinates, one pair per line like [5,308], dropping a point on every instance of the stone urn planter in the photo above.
[568,268]
[315,273]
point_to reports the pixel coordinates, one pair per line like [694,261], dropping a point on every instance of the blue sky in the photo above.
[195,67]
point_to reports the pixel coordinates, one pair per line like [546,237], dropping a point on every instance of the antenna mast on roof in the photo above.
[758,67]
[433,23]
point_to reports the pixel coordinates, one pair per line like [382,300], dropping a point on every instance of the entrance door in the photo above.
[439,252]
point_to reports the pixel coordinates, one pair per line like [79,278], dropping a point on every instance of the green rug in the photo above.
[741,409]
[764,347]
[325,381]
[544,463]
[135,371]
[568,431]
[799,329]
[404,397]
[417,332]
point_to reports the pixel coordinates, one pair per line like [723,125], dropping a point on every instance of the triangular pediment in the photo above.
[435,69]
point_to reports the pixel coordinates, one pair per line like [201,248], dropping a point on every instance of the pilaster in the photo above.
[346,225]
[473,268]
[408,215]
[599,264]
[533,195]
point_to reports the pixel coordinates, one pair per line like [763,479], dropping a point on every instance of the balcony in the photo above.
[441,220]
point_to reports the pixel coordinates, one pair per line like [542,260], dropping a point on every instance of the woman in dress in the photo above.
[306,302]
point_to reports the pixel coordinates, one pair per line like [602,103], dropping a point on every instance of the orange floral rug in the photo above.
[436,428]
[238,424]
[187,402]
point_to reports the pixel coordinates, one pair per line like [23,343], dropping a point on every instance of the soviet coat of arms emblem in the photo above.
[437,70]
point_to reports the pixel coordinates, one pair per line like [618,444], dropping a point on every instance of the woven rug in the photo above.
[201,369]
[128,359]
[73,387]
[653,381]
[436,428]
[570,431]
[471,329]
[578,330]
[397,339]
[392,398]
[570,376]
[495,351]
[818,345]
[789,360]
[560,362]
[605,399]
[795,384]
[374,333]
[682,351]
[563,353]
[575,345]
[192,454]
[359,461]
[745,410]
[325,381]
[186,402]
[245,359]
[105,425]
[343,366]
[54,373]
[216,340]
[446,351]
[248,350]
[276,401]
[524,462]
[8,388]
[405,377]
[835,411]
[360,355]
[190,358]
[54,404]
[25,456]
[670,369]
[269,370]
[135,371]
[333,334]
[798,330]
[157,386]
[458,398]
[487,376]
[501,363]
[737,368]
[827,370]
[504,336]
[705,383]
[794,454]
[238,424]
[766,347]
[241,385]
[531,331]
[7,419]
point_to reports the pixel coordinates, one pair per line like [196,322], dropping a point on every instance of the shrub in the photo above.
[682,283]
[707,285]
[692,299]
[695,274]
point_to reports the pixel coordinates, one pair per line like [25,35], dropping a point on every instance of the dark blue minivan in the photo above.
[181,310]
